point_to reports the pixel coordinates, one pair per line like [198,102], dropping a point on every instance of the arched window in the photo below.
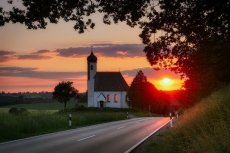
[115,98]
[108,98]
[91,67]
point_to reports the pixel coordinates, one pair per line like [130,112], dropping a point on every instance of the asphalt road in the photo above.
[113,137]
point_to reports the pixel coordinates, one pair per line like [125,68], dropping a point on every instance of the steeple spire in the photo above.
[92,57]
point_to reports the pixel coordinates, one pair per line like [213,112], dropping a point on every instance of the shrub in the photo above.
[14,111]
[20,111]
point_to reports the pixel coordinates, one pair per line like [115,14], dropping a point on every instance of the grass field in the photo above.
[203,128]
[43,106]
[45,118]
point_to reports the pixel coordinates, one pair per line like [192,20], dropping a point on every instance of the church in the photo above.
[105,89]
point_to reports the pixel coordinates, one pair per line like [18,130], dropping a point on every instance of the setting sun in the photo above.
[166,80]
[167,84]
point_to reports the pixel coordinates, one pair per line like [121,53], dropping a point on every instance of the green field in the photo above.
[45,118]
[44,106]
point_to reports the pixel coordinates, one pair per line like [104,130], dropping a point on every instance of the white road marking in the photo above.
[121,127]
[86,137]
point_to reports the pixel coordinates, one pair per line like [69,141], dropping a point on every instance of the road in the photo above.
[113,137]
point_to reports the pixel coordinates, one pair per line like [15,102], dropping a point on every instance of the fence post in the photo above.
[176,114]
[170,115]
[127,114]
[70,119]
[150,114]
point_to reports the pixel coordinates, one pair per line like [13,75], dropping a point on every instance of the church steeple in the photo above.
[92,57]
[92,70]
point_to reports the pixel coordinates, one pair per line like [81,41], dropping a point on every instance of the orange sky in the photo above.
[36,60]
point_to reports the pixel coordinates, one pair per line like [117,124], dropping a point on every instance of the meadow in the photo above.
[202,128]
[44,106]
[45,118]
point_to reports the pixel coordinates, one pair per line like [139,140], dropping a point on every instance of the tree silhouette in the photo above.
[141,93]
[185,27]
[64,91]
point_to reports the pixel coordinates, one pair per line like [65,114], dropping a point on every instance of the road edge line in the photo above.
[137,144]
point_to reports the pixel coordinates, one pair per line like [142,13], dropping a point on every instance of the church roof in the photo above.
[92,58]
[110,81]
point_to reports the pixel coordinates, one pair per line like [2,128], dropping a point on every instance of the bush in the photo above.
[20,111]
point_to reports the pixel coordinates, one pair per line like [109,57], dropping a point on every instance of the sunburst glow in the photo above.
[166,80]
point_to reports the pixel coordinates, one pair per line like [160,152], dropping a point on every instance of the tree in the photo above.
[64,91]
[37,13]
[186,28]
[141,93]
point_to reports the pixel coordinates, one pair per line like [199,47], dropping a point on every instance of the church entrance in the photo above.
[101,104]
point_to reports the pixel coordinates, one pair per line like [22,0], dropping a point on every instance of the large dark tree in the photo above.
[142,94]
[191,31]
[64,92]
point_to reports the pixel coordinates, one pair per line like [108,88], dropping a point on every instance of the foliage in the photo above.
[18,111]
[209,69]
[64,91]
[83,97]
[36,14]
[194,42]
[203,128]
[142,94]
[191,32]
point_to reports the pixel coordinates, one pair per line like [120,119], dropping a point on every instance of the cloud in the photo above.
[34,73]
[106,50]
[10,55]
[6,55]
[33,57]
[39,52]
[38,55]
[15,69]
[151,73]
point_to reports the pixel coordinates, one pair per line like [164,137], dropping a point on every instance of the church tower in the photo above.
[92,69]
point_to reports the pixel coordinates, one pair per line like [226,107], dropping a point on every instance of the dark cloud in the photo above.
[107,50]
[33,57]
[151,73]
[41,52]
[6,55]
[33,73]
[38,55]
[15,69]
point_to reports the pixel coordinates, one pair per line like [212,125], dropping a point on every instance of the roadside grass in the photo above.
[203,128]
[41,122]
[46,119]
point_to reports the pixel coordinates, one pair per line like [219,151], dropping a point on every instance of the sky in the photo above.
[37,60]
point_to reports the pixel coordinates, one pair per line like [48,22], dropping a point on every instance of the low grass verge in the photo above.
[41,122]
[46,121]
[203,128]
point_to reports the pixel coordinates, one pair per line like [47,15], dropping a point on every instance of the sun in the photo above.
[166,81]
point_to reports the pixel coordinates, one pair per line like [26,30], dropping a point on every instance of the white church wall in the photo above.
[123,96]
[119,104]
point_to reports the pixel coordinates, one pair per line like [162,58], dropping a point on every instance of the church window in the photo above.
[108,98]
[115,98]
[91,67]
